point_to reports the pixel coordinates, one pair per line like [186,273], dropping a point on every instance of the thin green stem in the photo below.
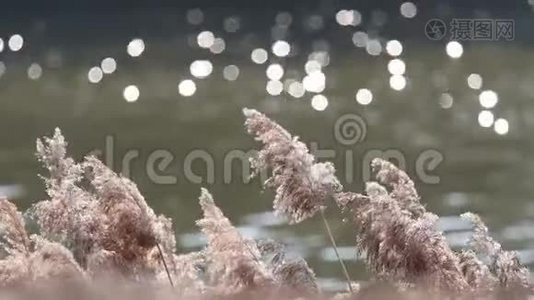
[159,250]
[164,264]
[334,245]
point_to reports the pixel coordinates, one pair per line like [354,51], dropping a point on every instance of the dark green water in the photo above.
[481,171]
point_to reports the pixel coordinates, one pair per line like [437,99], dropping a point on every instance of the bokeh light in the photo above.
[195,16]
[394,48]
[232,24]
[283,18]
[296,89]
[314,82]
[108,65]
[346,17]
[319,102]
[187,88]
[231,72]
[131,93]
[501,126]
[408,10]
[205,39]
[474,81]
[454,49]
[446,100]
[396,67]
[373,47]
[15,42]
[95,75]
[364,96]
[135,47]
[259,55]
[274,87]
[488,99]
[35,71]
[218,46]
[359,39]
[397,82]
[485,118]
[281,48]
[201,68]
[275,72]
[312,66]
[320,56]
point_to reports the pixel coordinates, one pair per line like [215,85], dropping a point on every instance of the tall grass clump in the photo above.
[393,229]
[96,237]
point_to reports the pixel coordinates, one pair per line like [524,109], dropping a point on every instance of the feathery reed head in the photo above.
[187,271]
[302,185]
[398,247]
[52,261]
[31,259]
[402,187]
[233,262]
[293,273]
[505,265]
[129,229]
[99,215]
[13,236]
[71,213]
[15,245]
[476,273]
[52,153]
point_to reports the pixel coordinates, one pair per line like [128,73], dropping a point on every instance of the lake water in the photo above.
[486,162]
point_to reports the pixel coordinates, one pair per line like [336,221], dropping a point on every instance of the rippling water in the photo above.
[180,88]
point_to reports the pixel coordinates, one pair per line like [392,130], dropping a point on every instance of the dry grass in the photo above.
[99,239]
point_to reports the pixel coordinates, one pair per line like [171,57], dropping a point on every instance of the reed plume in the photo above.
[71,214]
[134,231]
[399,248]
[14,271]
[302,185]
[100,215]
[505,265]
[15,243]
[31,258]
[477,273]
[291,272]
[50,260]
[187,270]
[401,186]
[234,264]
[14,238]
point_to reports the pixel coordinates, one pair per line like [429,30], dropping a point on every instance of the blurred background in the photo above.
[127,78]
